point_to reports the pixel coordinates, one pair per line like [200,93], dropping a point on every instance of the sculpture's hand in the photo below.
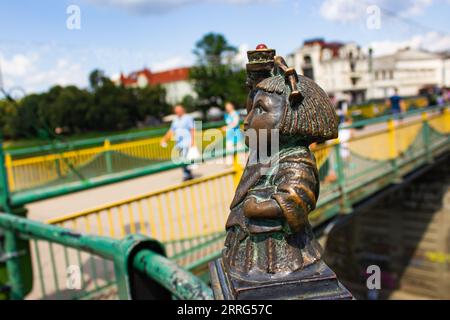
[265,209]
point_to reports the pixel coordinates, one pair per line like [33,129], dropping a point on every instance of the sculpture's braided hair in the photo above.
[308,111]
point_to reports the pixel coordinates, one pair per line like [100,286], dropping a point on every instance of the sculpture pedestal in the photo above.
[315,282]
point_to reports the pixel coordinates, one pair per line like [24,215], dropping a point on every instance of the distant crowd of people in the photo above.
[435,97]
[396,104]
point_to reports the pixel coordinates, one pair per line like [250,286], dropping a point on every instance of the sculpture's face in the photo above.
[264,111]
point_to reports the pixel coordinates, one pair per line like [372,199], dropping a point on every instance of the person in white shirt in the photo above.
[182,128]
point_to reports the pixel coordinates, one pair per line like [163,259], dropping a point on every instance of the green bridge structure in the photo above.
[119,253]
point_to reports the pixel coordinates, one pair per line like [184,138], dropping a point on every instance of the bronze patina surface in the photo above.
[270,250]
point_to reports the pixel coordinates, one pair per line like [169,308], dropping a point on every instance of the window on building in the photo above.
[308,70]
[307,60]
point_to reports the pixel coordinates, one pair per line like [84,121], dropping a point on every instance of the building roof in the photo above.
[173,75]
[163,77]
[334,46]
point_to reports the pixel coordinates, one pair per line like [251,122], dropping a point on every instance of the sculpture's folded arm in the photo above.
[297,193]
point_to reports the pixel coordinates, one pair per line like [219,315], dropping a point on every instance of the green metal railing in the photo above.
[386,152]
[140,269]
[97,142]
[58,188]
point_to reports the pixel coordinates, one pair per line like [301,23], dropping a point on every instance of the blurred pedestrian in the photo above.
[441,99]
[233,135]
[396,103]
[431,97]
[342,110]
[346,133]
[182,129]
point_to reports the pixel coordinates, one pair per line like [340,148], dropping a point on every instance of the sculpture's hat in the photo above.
[260,64]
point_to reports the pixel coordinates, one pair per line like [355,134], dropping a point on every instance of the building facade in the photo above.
[175,81]
[346,72]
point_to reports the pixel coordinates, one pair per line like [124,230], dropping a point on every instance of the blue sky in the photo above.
[37,50]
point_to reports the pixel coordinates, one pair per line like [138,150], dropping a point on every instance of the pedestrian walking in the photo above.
[182,129]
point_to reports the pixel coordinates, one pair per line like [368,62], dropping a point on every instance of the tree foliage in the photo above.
[216,79]
[104,106]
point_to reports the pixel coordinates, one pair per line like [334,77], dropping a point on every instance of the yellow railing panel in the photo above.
[386,143]
[166,214]
[35,171]
[441,122]
[192,209]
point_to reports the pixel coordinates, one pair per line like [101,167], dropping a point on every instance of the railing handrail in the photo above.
[346,194]
[167,273]
[210,177]
[158,132]
[99,140]
[141,196]
[385,118]
[24,197]
[179,282]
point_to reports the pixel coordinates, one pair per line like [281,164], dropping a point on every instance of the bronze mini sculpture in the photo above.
[270,251]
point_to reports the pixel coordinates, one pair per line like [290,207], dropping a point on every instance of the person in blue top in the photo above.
[233,135]
[395,102]
[182,129]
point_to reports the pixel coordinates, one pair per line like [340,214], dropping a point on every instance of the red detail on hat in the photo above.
[261,46]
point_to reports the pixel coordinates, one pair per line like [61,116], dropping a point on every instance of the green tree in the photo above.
[189,102]
[114,107]
[215,78]
[8,117]
[103,107]
[212,49]
[26,123]
[151,101]
[97,78]
[65,108]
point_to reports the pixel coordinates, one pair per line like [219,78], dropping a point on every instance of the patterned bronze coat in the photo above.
[261,246]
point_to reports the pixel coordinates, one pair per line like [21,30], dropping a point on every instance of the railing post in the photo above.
[9,171]
[58,167]
[345,204]
[393,150]
[447,119]
[238,169]
[108,159]
[426,137]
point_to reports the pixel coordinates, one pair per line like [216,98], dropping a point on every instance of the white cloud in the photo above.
[240,59]
[27,70]
[351,10]
[18,65]
[417,7]
[341,10]
[171,63]
[431,41]
[160,6]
